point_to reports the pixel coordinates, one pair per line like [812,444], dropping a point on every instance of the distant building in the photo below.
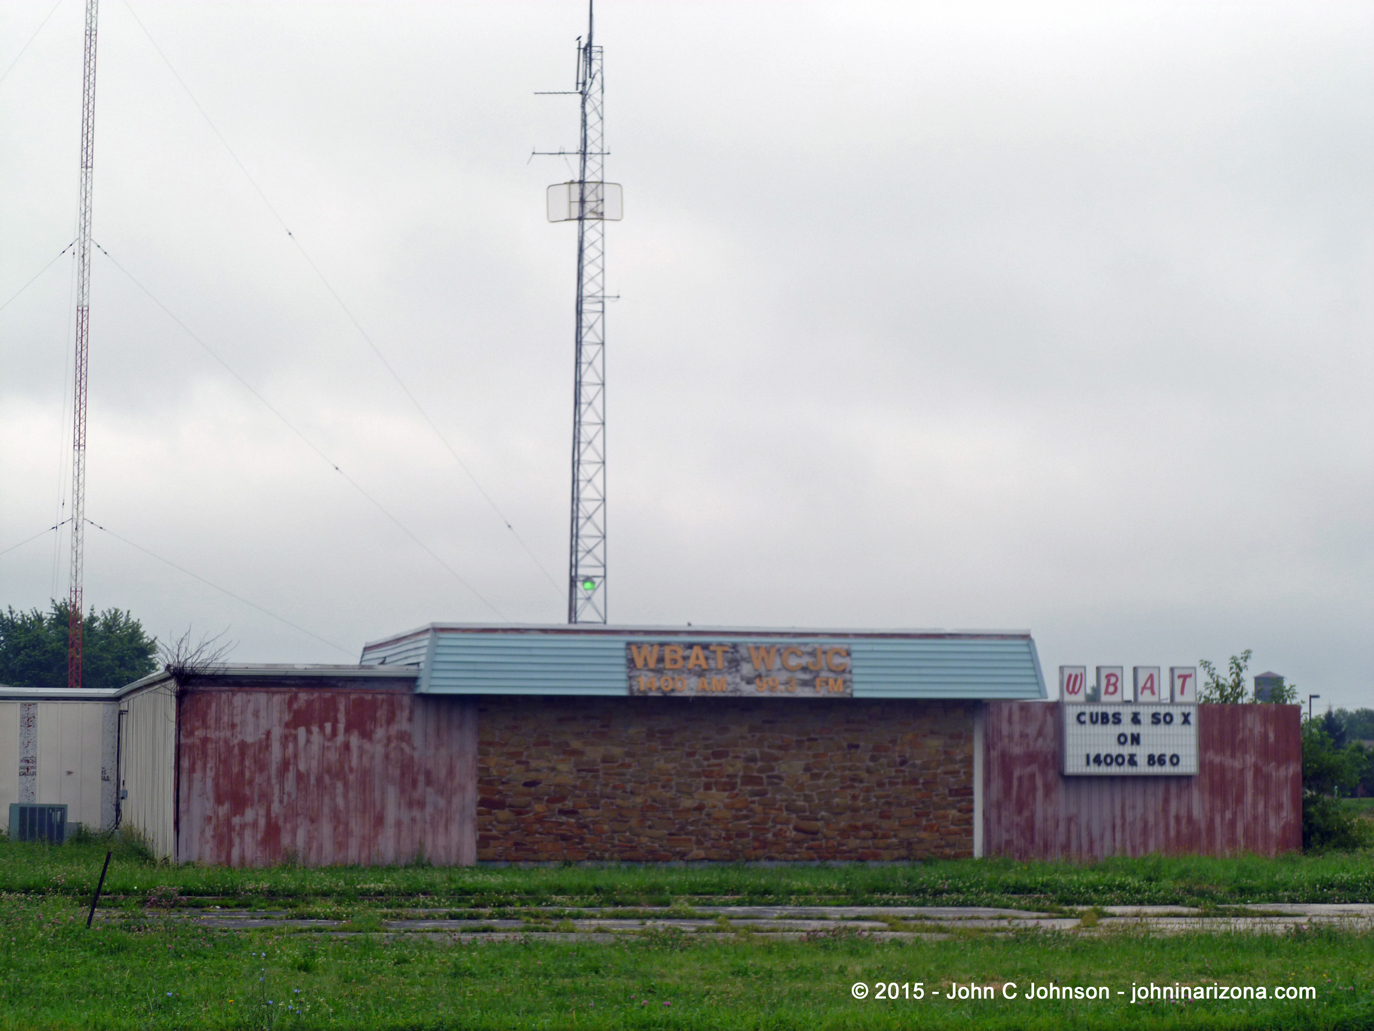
[1265,684]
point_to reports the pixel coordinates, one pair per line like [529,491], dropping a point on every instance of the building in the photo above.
[463,744]
[59,745]
[721,744]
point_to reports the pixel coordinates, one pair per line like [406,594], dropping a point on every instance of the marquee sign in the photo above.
[784,669]
[1143,727]
[1130,740]
[1146,687]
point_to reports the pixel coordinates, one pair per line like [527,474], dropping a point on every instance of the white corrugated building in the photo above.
[65,746]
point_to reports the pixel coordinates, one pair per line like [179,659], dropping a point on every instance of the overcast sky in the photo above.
[1034,316]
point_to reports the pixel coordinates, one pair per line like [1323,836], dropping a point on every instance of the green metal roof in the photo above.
[458,658]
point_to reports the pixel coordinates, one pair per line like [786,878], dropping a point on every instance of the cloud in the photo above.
[1051,317]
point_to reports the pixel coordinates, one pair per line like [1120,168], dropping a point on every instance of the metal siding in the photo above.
[9,756]
[1041,692]
[80,751]
[894,667]
[1247,796]
[979,800]
[109,740]
[407,650]
[502,664]
[327,776]
[946,668]
[427,663]
[92,769]
[148,757]
[70,758]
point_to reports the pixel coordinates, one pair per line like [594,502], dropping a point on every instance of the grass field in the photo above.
[56,974]
[161,975]
[72,870]
[1360,806]
[155,971]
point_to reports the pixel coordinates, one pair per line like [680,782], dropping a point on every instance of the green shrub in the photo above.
[80,834]
[1326,824]
[129,844]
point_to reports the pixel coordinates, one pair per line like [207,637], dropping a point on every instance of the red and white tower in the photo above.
[83,328]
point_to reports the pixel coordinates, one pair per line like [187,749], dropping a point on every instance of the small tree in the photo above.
[1326,769]
[1230,691]
[185,658]
[1335,728]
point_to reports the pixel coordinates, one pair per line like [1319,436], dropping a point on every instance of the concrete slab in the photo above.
[463,925]
[789,922]
[858,912]
[1150,910]
[1327,909]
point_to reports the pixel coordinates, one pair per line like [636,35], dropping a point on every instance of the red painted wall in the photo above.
[325,775]
[1247,796]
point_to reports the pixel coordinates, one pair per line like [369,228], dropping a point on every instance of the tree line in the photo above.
[33,647]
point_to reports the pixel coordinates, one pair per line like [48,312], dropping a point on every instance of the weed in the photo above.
[1090,917]
[833,936]
[260,1007]
[365,922]
[420,861]
[164,896]
[80,834]
[670,938]
[130,846]
[307,963]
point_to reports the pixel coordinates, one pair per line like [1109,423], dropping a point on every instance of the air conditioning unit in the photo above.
[38,821]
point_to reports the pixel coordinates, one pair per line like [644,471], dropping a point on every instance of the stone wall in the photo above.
[725,779]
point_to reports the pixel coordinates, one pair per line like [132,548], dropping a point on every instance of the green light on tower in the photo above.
[589,585]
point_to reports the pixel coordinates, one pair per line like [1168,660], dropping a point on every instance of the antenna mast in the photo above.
[587,547]
[589,202]
[83,320]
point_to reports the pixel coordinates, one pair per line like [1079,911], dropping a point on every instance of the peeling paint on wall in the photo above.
[109,723]
[1246,796]
[28,752]
[374,775]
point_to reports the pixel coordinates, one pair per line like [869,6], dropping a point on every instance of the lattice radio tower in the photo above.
[590,202]
[83,325]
